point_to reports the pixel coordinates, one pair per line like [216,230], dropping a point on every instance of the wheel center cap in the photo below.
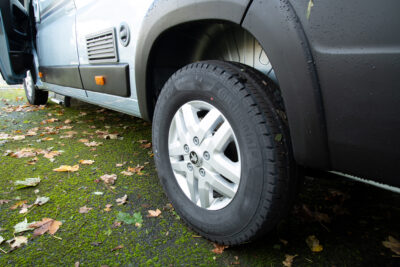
[194,158]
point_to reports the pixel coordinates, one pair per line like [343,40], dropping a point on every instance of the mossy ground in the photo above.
[352,239]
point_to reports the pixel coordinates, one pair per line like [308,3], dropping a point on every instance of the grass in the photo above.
[350,239]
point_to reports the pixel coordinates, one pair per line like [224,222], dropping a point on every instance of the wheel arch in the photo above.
[288,51]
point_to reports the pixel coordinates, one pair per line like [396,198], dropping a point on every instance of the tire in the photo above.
[33,94]
[251,105]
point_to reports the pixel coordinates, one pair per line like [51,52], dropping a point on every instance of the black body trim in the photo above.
[62,75]
[83,77]
[276,26]
[117,79]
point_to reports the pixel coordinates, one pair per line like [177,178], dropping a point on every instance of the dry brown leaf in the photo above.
[117,248]
[68,121]
[122,200]
[289,260]
[393,244]
[86,162]
[154,213]
[33,161]
[127,173]
[83,140]
[148,145]
[18,204]
[313,244]
[93,143]
[17,242]
[46,225]
[4,201]
[84,209]
[18,137]
[108,207]
[109,178]
[31,133]
[67,168]
[23,153]
[48,139]
[142,141]
[218,249]
[51,154]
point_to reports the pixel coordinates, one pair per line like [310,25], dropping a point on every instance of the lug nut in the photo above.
[196,141]
[206,155]
[190,167]
[202,172]
[186,148]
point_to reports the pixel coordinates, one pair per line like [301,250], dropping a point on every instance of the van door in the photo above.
[56,43]
[15,41]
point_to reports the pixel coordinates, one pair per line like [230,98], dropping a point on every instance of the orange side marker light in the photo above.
[100,80]
[40,74]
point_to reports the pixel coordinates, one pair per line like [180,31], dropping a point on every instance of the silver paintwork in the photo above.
[198,177]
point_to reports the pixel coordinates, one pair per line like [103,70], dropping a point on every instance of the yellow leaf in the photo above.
[67,168]
[154,213]
[86,162]
[313,244]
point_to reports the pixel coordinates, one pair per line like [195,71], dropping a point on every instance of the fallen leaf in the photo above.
[27,182]
[289,260]
[117,248]
[393,244]
[18,137]
[41,201]
[108,207]
[46,225]
[23,153]
[48,139]
[67,168]
[1,239]
[84,209]
[68,121]
[109,178]
[86,162]
[92,144]
[313,244]
[17,242]
[145,145]
[122,200]
[142,141]
[51,154]
[4,201]
[33,161]
[154,213]
[23,226]
[25,208]
[18,204]
[83,140]
[126,173]
[98,193]
[218,249]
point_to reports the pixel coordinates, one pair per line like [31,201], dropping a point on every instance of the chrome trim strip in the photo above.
[370,182]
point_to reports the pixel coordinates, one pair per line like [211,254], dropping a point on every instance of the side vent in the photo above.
[101,47]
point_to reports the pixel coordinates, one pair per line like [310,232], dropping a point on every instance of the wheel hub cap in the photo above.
[204,155]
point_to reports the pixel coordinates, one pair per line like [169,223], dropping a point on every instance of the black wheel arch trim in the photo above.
[275,25]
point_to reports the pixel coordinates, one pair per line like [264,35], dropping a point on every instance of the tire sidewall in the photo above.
[221,92]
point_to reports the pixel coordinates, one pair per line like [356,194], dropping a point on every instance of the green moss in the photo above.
[90,238]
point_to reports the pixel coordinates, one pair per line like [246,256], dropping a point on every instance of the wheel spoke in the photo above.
[222,137]
[180,127]
[204,194]
[179,166]
[191,119]
[220,185]
[227,168]
[208,123]
[192,185]
[176,149]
